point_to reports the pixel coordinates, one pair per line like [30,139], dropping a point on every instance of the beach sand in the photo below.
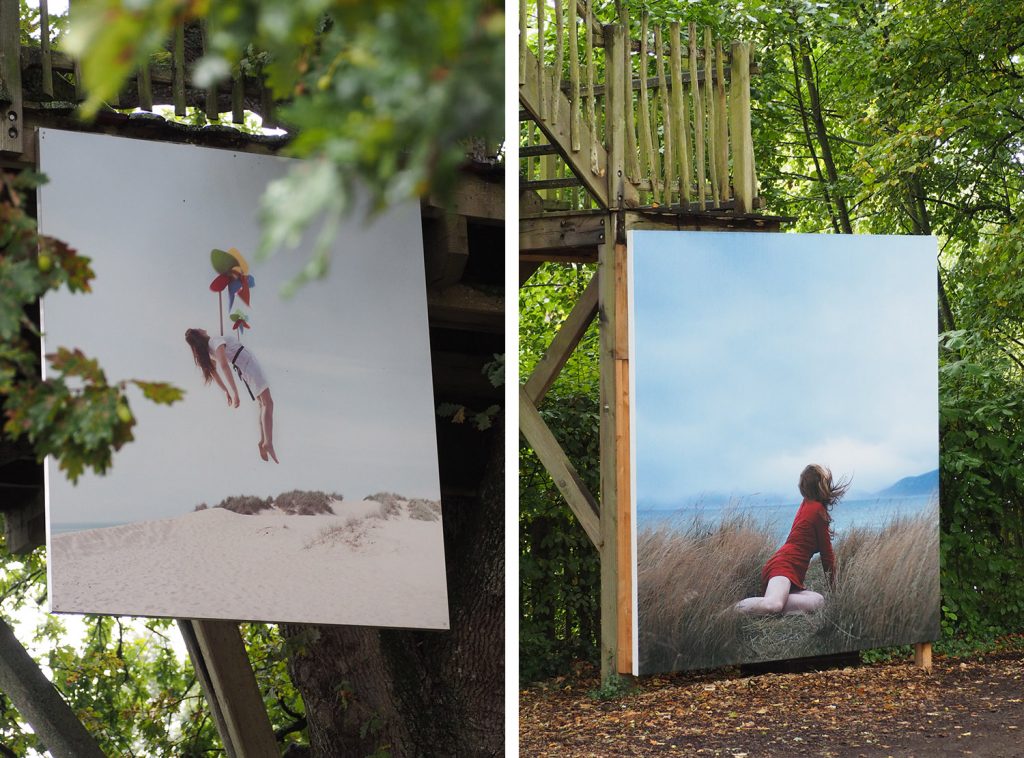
[354,567]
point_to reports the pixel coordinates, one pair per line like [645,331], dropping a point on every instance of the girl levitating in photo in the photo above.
[225,354]
[782,579]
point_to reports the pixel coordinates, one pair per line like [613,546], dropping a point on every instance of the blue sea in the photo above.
[872,513]
[72,526]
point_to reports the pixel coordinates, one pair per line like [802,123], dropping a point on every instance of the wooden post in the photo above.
[721,125]
[739,128]
[574,81]
[610,631]
[651,169]
[38,701]
[709,93]
[666,119]
[229,682]
[698,121]
[556,74]
[145,86]
[522,42]
[591,96]
[679,117]
[542,82]
[629,114]
[238,97]
[44,47]
[12,127]
[614,92]
[923,656]
[178,85]
[623,513]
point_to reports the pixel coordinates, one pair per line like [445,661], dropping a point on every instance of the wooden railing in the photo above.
[682,112]
[36,76]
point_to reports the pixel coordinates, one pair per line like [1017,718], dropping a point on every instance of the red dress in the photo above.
[808,536]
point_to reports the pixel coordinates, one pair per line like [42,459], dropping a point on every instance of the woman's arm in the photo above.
[222,363]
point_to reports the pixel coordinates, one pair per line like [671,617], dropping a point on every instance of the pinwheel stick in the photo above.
[220,303]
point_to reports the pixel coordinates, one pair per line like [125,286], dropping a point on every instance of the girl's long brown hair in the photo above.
[816,484]
[200,344]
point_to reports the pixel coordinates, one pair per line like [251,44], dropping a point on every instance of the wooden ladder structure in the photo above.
[656,144]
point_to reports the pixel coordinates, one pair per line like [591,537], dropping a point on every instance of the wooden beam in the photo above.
[462,307]
[188,634]
[233,686]
[556,462]
[615,165]
[568,337]
[561,232]
[38,701]
[446,249]
[623,495]
[473,197]
[609,466]
[12,127]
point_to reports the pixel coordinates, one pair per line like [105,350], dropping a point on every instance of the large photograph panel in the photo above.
[297,480]
[785,444]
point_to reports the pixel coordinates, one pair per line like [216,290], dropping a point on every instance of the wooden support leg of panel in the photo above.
[226,675]
[923,656]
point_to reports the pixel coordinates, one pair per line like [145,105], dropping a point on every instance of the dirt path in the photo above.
[966,707]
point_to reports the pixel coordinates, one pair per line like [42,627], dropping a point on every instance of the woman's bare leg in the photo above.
[774,600]
[267,426]
[806,601]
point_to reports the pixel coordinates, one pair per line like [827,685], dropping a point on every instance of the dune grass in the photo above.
[688,579]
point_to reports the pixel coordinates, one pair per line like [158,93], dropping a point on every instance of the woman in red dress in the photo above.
[782,579]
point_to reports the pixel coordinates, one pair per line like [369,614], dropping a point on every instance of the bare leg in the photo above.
[806,601]
[774,600]
[267,426]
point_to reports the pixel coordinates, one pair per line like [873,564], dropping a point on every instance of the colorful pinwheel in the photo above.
[233,275]
[240,322]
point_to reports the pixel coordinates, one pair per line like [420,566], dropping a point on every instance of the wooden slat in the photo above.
[595,162]
[563,473]
[557,134]
[679,115]
[739,128]
[234,687]
[550,185]
[632,151]
[574,82]
[542,78]
[698,122]
[710,110]
[556,74]
[212,109]
[44,47]
[238,97]
[522,41]
[144,83]
[12,125]
[614,122]
[666,118]
[178,61]
[532,151]
[568,337]
[721,127]
[652,167]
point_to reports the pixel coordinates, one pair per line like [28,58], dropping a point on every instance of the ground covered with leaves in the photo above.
[971,705]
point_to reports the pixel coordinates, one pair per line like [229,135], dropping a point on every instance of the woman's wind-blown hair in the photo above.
[816,484]
[200,344]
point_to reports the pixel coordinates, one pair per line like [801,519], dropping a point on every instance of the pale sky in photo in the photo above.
[756,354]
[347,359]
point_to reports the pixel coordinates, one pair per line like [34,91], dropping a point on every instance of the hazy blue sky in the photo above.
[756,354]
[347,359]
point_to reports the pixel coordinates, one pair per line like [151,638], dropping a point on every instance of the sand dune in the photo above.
[350,568]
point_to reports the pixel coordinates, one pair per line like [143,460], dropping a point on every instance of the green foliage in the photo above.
[75,415]
[559,569]
[381,95]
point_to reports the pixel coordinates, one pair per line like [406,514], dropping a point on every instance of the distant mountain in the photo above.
[909,486]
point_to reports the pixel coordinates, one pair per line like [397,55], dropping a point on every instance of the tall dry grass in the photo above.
[887,593]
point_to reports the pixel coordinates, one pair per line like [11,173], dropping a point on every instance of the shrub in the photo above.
[390,507]
[201,507]
[247,505]
[305,502]
[424,510]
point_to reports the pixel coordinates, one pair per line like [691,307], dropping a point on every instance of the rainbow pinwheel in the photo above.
[240,322]
[232,274]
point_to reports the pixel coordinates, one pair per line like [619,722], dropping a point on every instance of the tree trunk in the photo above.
[406,693]
[818,117]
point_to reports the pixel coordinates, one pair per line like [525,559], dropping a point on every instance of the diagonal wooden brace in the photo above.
[568,337]
[557,463]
